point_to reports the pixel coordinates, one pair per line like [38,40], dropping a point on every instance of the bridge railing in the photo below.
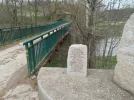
[8,35]
[39,47]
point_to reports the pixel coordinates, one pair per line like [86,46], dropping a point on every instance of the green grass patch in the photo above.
[101,63]
[108,62]
[58,63]
[43,18]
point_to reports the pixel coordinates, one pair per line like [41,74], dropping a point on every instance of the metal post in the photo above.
[28,59]
[39,29]
[33,58]
[10,37]
[31,29]
[27,33]
[19,33]
[1,37]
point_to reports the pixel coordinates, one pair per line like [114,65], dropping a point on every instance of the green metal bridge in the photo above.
[40,47]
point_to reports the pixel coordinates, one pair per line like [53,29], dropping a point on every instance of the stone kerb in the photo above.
[124,70]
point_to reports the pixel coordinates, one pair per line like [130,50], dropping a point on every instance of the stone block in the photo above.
[77,60]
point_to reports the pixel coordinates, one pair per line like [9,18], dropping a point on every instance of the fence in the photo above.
[8,35]
[39,47]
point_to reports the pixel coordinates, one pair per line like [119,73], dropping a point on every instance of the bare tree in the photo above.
[35,11]
[21,10]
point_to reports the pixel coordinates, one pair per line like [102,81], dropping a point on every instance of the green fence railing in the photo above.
[8,35]
[39,47]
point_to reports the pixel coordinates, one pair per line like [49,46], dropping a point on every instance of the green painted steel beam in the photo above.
[44,33]
[38,52]
[12,34]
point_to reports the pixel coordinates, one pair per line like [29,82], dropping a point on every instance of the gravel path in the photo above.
[21,92]
[11,60]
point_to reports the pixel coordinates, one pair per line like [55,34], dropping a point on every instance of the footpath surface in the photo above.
[21,92]
[12,61]
[12,71]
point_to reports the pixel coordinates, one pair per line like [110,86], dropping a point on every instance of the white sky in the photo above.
[124,2]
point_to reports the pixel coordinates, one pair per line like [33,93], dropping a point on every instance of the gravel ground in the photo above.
[11,60]
[21,92]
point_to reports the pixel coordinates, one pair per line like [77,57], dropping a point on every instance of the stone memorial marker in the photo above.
[77,60]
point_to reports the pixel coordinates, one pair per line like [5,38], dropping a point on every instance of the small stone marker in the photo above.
[77,60]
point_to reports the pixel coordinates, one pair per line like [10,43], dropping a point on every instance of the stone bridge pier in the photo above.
[124,70]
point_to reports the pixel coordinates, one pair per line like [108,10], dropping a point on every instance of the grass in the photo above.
[58,63]
[106,63]
[110,25]
[43,18]
[110,29]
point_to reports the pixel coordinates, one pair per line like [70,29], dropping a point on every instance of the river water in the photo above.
[109,45]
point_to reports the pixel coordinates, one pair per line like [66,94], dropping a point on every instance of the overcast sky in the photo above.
[124,2]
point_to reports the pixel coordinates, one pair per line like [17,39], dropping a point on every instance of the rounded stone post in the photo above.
[124,70]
